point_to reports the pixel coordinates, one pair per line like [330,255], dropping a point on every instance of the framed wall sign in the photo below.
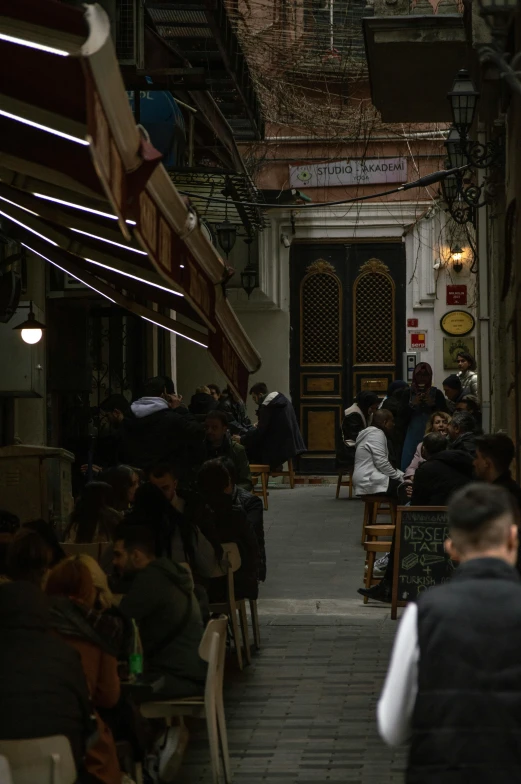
[457,294]
[452,347]
[457,323]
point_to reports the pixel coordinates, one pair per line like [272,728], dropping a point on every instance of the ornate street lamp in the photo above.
[463,102]
[457,256]
[226,236]
[455,149]
[450,187]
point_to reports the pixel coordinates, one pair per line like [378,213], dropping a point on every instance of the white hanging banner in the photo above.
[360,171]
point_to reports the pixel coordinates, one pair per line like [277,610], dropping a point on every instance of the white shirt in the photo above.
[396,704]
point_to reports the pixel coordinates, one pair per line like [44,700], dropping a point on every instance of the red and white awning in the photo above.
[84,189]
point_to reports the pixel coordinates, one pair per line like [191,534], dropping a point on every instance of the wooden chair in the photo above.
[376,505]
[373,546]
[232,606]
[210,706]
[42,760]
[345,471]
[263,471]
[290,472]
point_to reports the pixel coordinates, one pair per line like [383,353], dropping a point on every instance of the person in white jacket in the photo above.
[373,471]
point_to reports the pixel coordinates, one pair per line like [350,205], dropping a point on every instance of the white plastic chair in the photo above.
[210,706]
[5,771]
[41,760]
[231,606]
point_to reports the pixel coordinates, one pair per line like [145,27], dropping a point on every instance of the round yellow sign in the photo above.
[458,323]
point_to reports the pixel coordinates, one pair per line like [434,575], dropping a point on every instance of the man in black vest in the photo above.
[453,688]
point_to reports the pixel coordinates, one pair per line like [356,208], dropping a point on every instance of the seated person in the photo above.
[235,410]
[454,392]
[159,508]
[438,423]
[356,418]
[202,403]
[373,472]
[162,603]
[462,433]
[254,510]
[43,691]
[46,532]
[28,558]
[276,438]
[124,481]
[74,618]
[221,522]
[442,473]
[94,518]
[471,404]
[219,444]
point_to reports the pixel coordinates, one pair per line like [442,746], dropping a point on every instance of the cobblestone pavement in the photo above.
[305,710]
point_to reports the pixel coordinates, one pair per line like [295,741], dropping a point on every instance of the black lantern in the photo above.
[463,101]
[226,236]
[457,256]
[450,188]
[30,330]
[455,149]
[250,275]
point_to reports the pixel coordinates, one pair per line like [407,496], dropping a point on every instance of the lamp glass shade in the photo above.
[455,149]
[463,101]
[31,336]
[457,254]
[249,280]
[226,234]
[449,187]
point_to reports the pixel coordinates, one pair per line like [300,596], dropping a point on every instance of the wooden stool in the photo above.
[371,549]
[376,505]
[263,471]
[346,471]
[290,472]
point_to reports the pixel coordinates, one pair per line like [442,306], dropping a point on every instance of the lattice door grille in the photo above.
[374,319]
[320,300]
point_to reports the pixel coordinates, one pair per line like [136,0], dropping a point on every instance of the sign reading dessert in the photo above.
[357,171]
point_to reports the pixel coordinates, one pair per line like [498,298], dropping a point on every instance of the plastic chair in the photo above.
[255,623]
[231,606]
[210,706]
[41,760]
[5,771]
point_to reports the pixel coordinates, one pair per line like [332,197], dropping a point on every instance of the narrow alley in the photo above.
[305,710]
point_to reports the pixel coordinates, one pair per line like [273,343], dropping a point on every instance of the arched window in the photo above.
[373,315]
[321,316]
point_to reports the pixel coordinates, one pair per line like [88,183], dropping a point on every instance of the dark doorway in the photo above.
[347,334]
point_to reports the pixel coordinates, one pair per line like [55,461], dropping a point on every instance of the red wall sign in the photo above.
[456,295]
[418,340]
[412,322]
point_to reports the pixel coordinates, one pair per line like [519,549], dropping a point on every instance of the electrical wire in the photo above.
[428,179]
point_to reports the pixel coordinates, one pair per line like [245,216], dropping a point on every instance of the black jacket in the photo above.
[277,437]
[440,476]
[466,442]
[165,435]
[506,481]
[238,419]
[254,510]
[201,404]
[466,723]
[43,690]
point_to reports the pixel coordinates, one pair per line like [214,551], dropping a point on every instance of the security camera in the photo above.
[285,240]
[437,264]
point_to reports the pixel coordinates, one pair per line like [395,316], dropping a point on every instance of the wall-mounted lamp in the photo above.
[457,258]
[31,330]
[250,275]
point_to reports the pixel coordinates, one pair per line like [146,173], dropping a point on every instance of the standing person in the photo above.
[219,444]
[462,433]
[162,429]
[467,372]
[74,618]
[438,423]
[43,691]
[416,406]
[494,456]
[277,437]
[453,688]
[454,392]
[357,417]
[373,472]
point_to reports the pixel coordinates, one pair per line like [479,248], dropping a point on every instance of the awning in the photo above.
[74,166]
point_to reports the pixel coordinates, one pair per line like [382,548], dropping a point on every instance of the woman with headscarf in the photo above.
[416,407]
[356,418]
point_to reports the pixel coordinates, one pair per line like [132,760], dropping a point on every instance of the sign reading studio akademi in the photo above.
[359,171]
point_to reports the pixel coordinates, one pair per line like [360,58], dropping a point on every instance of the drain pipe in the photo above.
[484,309]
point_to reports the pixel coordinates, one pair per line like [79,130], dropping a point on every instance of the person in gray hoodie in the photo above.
[162,603]
[160,429]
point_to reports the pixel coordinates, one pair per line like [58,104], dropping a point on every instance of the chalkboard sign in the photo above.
[419,555]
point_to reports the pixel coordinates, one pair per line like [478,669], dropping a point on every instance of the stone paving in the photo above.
[305,710]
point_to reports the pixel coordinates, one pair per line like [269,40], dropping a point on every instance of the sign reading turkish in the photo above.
[417,339]
[456,295]
[359,171]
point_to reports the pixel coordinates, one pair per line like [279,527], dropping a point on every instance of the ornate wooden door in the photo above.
[347,334]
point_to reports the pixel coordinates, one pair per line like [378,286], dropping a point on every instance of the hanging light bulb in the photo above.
[31,330]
